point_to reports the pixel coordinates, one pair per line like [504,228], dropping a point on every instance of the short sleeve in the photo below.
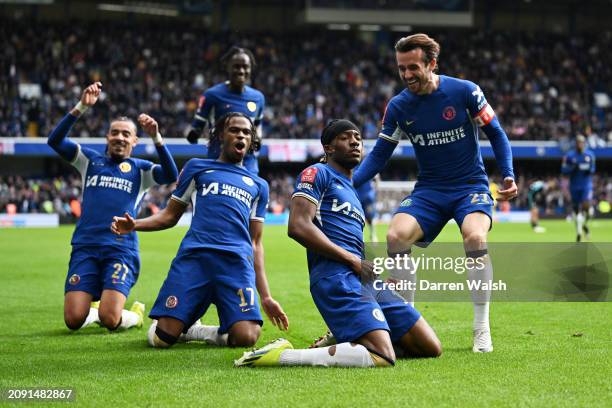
[260,205]
[186,184]
[311,184]
[391,130]
[481,112]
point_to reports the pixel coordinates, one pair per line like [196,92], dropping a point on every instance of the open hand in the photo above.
[123,225]
[275,313]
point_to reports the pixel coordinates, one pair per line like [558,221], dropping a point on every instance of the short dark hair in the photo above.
[124,119]
[234,50]
[430,47]
[222,122]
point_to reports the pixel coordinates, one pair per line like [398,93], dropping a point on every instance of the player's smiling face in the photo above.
[239,69]
[236,139]
[346,149]
[414,72]
[121,139]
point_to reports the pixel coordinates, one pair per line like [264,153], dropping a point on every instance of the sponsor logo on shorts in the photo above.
[171,302]
[406,203]
[249,181]
[251,106]
[74,279]
[378,315]
[449,113]
[125,167]
[246,309]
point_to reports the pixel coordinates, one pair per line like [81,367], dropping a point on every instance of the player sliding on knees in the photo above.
[103,266]
[221,259]
[327,218]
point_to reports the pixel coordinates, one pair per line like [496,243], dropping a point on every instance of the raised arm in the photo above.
[271,307]
[166,172]
[166,218]
[58,140]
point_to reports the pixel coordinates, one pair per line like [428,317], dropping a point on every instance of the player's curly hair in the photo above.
[225,58]
[430,47]
[221,123]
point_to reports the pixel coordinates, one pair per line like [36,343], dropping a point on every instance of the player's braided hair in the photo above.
[225,58]
[430,47]
[221,123]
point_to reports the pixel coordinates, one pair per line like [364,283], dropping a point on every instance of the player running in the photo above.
[102,266]
[221,259]
[367,321]
[535,199]
[441,116]
[233,95]
[579,165]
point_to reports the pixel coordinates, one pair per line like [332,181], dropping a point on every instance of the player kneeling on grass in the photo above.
[327,218]
[221,258]
[102,266]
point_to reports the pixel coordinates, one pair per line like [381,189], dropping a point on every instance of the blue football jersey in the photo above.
[339,214]
[219,100]
[580,168]
[443,129]
[225,198]
[110,189]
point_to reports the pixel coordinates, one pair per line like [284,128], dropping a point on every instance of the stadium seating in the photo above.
[536,82]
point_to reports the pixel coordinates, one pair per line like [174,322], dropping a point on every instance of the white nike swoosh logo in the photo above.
[208,171]
[409,122]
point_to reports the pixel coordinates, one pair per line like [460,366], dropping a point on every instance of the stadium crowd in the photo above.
[543,86]
[61,195]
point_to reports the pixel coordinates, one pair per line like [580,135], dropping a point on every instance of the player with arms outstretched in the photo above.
[441,116]
[233,95]
[103,266]
[367,321]
[221,259]
[579,165]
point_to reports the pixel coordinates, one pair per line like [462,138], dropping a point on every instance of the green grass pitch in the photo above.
[538,359]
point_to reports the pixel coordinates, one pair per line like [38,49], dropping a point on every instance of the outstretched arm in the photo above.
[58,140]
[167,172]
[271,307]
[166,218]
[375,162]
